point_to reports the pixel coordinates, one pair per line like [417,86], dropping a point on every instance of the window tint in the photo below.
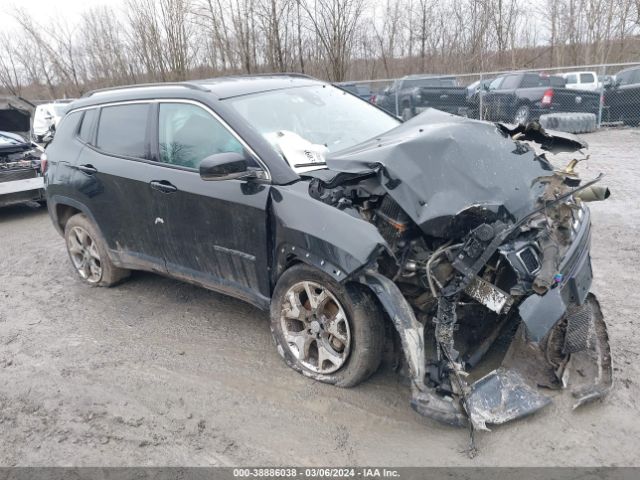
[586,78]
[495,83]
[188,134]
[529,81]
[624,77]
[555,81]
[510,81]
[69,125]
[122,130]
[86,127]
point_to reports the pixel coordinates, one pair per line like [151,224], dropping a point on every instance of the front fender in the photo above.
[307,230]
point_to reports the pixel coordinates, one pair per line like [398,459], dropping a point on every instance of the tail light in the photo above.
[44,162]
[547,98]
[373,99]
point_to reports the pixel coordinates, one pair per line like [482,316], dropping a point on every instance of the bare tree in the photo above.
[334,23]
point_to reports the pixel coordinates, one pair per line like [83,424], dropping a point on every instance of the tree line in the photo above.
[174,40]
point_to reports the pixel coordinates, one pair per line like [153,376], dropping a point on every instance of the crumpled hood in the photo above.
[437,165]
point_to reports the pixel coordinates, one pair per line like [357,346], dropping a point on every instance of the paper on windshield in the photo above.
[301,155]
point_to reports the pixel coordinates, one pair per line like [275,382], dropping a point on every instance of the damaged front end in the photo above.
[489,275]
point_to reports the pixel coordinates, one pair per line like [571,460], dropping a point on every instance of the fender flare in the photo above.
[404,320]
[55,200]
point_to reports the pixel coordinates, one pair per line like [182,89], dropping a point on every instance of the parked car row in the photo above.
[517,97]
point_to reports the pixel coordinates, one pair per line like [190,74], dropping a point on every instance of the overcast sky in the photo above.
[45,9]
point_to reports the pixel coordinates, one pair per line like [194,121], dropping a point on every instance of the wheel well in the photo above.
[283,265]
[64,213]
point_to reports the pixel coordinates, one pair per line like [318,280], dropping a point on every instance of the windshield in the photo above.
[319,114]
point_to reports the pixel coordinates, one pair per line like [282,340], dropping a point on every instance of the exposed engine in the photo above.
[475,282]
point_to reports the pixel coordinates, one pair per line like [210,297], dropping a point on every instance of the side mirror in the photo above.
[225,166]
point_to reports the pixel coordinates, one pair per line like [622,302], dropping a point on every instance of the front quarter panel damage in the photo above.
[466,236]
[312,232]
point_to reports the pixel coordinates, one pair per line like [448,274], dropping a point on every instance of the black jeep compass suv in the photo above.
[350,227]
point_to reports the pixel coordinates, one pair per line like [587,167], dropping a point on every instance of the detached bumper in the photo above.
[561,343]
[575,354]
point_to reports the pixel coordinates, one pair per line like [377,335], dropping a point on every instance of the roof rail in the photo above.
[249,75]
[281,74]
[192,86]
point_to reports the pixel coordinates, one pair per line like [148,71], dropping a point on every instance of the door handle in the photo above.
[87,168]
[163,186]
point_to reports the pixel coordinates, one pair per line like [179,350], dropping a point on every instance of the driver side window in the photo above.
[188,134]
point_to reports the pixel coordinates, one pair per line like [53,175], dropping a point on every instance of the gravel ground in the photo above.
[158,372]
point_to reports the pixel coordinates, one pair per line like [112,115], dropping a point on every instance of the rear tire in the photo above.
[88,253]
[522,115]
[307,308]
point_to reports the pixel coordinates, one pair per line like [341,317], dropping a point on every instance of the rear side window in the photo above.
[122,130]
[574,79]
[587,78]
[510,81]
[69,125]
[86,127]
[624,77]
[529,81]
[555,81]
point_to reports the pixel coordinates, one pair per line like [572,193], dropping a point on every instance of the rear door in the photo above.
[212,232]
[501,99]
[113,177]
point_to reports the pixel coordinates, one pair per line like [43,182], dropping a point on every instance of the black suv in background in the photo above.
[336,217]
[622,98]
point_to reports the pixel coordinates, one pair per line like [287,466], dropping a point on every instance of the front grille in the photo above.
[17,174]
[529,259]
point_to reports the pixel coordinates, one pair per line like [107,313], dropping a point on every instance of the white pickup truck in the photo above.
[582,81]
[21,177]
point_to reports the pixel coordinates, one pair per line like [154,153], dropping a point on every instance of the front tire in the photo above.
[88,254]
[325,330]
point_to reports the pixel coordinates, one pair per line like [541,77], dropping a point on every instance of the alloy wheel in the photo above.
[522,115]
[315,327]
[84,254]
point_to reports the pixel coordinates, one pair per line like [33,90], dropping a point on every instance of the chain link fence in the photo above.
[574,99]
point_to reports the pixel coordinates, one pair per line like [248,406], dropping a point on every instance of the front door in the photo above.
[212,232]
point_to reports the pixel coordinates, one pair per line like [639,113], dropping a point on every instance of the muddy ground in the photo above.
[158,372]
